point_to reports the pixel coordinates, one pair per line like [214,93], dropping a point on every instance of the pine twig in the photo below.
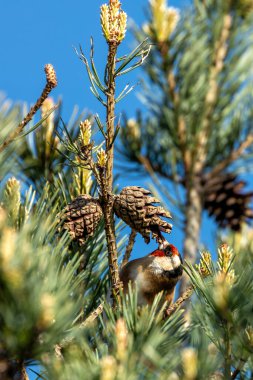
[39,375]
[227,348]
[174,95]
[51,83]
[107,198]
[238,369]
[110,117]
[163,48]
[150,167]
[129,247]
[171,309]
[235,373]
[57,351]
[24,375]
[234,155]
[151,170]
[93,315]
[181,124]
[220,54]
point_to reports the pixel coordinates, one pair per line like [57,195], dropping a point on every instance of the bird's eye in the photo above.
[169,253]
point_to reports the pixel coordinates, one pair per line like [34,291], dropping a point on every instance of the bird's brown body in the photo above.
[151,274]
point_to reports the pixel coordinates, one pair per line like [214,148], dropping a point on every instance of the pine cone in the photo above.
[135,207]
[81,217]
[225,200]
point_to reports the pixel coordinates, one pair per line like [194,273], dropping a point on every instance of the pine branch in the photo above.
[234,155]
[58,347]
[57,351]
[110,114]
[24,375]
[93,315]
[176,305]
[221,50]
[181,125]
[238,369]
[175,98]
[51,83]
[151,170]
[39,375]
[113,22]
[193,215]
[107,199]
[129,247]
[227,356]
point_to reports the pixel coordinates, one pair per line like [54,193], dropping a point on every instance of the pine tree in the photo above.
[198,135]
[60,248]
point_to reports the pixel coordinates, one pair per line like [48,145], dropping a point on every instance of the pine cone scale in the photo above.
[81,217]
[225,200]
[135,206]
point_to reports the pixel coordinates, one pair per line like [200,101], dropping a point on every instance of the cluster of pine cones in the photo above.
[134,205]
[224,197]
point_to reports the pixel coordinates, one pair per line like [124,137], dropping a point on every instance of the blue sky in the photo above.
[35,33]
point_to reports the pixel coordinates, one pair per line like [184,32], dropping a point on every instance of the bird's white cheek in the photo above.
[165,263]
[157,268]
[175,260]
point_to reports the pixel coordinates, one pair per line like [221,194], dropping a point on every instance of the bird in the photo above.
[158,271]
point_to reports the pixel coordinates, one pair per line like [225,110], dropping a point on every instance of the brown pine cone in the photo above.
[135,206]
[227,200]
[81,217]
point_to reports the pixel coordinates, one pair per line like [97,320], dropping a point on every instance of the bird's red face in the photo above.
[169,260]
[169,251]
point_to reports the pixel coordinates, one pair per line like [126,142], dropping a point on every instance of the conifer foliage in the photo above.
[198,136]
[63,314]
